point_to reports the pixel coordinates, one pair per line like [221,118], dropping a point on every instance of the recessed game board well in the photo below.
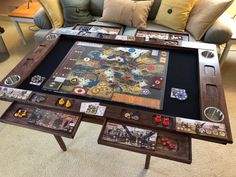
[180,63]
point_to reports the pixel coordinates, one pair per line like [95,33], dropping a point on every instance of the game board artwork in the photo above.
[97,29]
[54,120]
[129,75]
[131,136]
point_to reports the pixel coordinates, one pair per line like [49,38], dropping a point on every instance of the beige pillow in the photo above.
[204,14]
[127,12]
[53,11]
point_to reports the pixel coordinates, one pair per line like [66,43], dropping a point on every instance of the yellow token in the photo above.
[68,104]
[61,102]
[107,52]
[103,84]
[162,60]
[139,60]
[163,53]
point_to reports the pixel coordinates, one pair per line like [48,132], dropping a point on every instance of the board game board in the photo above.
[129,75]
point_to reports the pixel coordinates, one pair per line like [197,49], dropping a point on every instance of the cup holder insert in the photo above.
[214,114]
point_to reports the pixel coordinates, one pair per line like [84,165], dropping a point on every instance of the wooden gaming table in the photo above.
[164,132]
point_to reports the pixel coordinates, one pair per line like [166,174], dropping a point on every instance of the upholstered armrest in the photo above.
[219,33]
[41,20]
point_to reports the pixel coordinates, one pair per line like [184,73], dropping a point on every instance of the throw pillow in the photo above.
[204,14]
[53,11]
[75,11]
[126,12]
[154,9]
[174,13]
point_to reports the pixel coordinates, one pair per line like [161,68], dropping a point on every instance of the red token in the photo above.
[171,146]
[158,118]
[166,121]
[151,68]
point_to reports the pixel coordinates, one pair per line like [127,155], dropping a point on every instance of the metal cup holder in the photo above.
[208,54]
[12,80]
[51,37]
[214,114]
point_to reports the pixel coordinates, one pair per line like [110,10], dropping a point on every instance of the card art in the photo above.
[54,120]
[131,136]
[130,75]
[97,29]
[160,35]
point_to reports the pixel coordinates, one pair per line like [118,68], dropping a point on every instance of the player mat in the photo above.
[53,120]
[130,136]
[82,28]
[169,38]
[135,76]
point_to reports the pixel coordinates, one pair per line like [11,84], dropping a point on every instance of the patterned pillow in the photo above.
[174,13]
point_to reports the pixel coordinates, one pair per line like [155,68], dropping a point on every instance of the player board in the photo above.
[163,35]
[82,28]
[135,76]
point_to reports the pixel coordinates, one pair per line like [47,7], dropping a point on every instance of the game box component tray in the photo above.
[147,141]
[43,119]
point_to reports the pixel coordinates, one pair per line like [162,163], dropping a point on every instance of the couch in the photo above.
[219,33]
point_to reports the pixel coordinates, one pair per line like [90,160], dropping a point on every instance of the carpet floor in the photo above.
[28,153]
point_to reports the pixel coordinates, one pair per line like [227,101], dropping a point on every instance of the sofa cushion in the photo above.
[75,11]
[53,11]
[204,14]
[174,13]
[96,7]
[127,12]
[41,20]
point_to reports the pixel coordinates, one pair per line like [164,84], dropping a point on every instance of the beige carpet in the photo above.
[27,153]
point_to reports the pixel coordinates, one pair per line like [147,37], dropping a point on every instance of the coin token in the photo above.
[95,90]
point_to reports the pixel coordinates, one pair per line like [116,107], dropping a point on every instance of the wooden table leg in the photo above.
[147,161]
[225,52]
[60,142]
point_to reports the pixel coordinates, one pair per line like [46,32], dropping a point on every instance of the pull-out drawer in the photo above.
[43,119]
[147,141]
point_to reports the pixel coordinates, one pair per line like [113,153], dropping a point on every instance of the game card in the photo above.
[101,110]
[84,106]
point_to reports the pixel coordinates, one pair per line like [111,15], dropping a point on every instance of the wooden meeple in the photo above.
[172,127]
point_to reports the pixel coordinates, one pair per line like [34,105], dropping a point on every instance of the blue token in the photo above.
[131,50]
